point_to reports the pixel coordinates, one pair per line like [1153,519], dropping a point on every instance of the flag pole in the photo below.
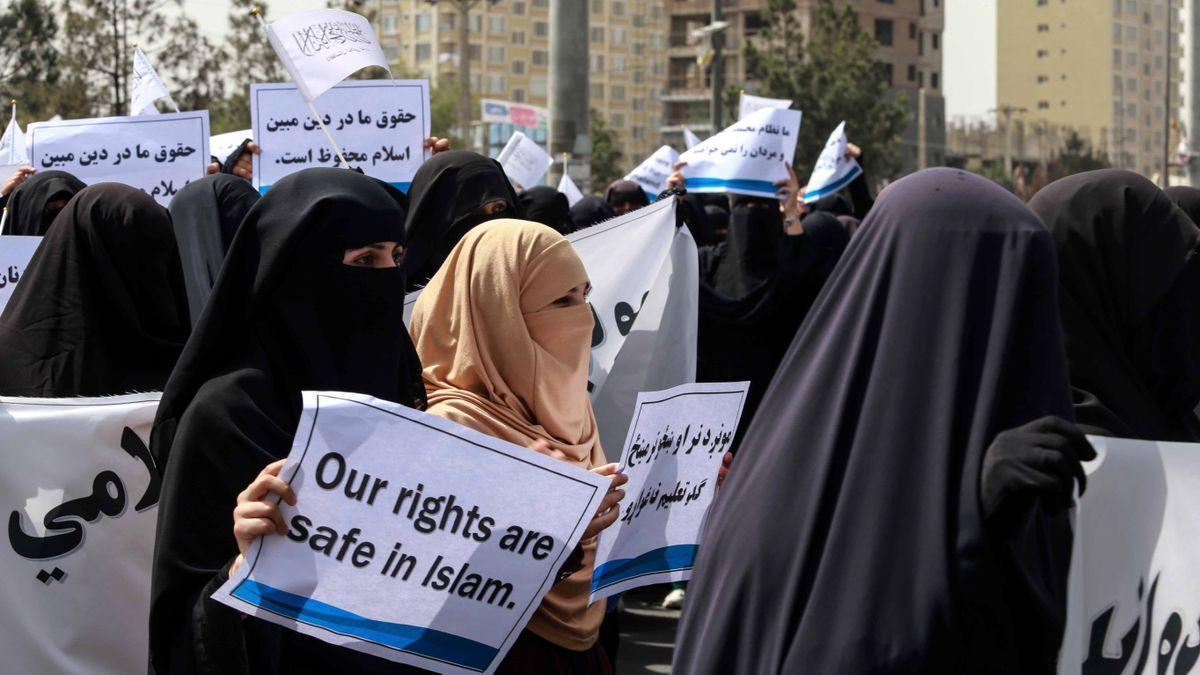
[338,151]
[170,99]
[3,219]
[12,147]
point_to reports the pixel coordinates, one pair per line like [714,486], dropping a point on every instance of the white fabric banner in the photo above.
[13,148]
[652,174]
[833,170]
[322,47]
[672,455]
[1134,592]
[221,145]
[690,139]
[15,253]
[570,189]
[524,161]
[748,104]
[157,154]
[380,125]
[747,157]
[461,532]
[147,87]
[645,297]
[81,493]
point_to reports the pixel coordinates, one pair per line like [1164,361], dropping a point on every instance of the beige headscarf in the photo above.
[498,359]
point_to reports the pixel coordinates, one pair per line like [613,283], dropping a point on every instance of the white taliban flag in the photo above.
[12,145]
[748,104]
[833,170]
[570,189]
[690,139]
[147,87]
[322,47]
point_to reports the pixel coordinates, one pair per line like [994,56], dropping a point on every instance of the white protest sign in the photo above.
[380,125]
[746,158]
[80,492]
[15,253]
[748,105]
[158,154]
[833,170]
[645,278]
[569,189]
[462,534]
[13,148]
[524,161]
[672,454]
[147,87]
[652,174]
[322,47]
[1134,596]
[690,139]
[221,145]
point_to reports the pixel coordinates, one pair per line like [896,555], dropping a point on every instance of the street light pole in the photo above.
[1166,172]
[718,67]
[464,63]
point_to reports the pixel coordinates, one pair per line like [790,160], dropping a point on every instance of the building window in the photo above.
[496,25]
[537,86]
[618,63]
[541,57]
[424,21]
[495,53]
[1042,53]
[518,95]
[618,120]
[618,92]
[597,35]
[597,91]
[1042,3]
[639,133]
[920,43]
[618,8]
[389,24]
[517,8]
[597,6]
[883,32]
[619,36]
[424,51]
[1043,105]
[887,73]
[1043,28]
[933,80]
[933,41]
[1117,58]
[1042,79]
[541,3]
[518,67]
[912,31]
[920,78]
[912,73]
[475,52]
[390,52]
[496,84]
[518,37]
[597,62]
[475,23]
[541,28]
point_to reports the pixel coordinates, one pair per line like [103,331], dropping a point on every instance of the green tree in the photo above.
[832,75]
[443,111]
[606,152]
[196,76]
[1077,156]
[30,71]
[251,60]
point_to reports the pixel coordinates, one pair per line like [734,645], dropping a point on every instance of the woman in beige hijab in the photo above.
[504,332]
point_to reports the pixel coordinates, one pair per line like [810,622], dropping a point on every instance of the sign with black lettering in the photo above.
[413,538]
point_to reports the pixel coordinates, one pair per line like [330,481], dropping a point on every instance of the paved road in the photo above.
[647,633]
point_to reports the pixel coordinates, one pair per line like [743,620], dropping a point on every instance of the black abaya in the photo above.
[206,214]
[543,204]
[285,315]
[101,309]
[849,536]
[1123,250]
[27,212]
[445,194]
[589,211]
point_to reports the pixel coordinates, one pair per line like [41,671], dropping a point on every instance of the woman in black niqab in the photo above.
[625,196]
[1129,286]
[453,192]
[206,214]
[101,308]
[857,490]
[543,204]
[34,205]
[1186,198]
[285,315]
[590,211]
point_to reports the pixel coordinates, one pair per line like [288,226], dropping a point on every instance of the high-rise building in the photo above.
[909,33]
[510,58]
[1101,69]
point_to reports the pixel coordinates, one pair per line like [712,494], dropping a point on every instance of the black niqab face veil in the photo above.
[1128,302]
[206,214]
[285,315]
[446,193]
[856,491]
[101,309]
[27,212]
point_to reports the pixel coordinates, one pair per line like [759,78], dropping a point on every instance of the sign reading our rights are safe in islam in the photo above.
[157,154]
[413,539]
[379,125]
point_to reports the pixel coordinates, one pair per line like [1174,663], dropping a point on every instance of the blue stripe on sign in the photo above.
[733,184]
[403,187]
[833,187]
[652,196]
[427,642]
[665,559]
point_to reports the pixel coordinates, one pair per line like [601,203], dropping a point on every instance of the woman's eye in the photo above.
[364,260]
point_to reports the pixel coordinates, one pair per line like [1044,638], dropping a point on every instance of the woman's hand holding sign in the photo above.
[256,514]
[609,509]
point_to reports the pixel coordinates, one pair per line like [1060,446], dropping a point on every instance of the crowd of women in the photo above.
[923,367]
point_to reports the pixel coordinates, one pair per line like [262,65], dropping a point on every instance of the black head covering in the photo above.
[1186,198]
[27,213]
[622,191]
[543,204]
[445,194]
[835,203]
[285,315]
[849,537]
[589,211]
[206,214]
[101,309]
[1124,251]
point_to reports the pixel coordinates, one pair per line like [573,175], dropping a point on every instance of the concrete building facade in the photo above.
[1098,66]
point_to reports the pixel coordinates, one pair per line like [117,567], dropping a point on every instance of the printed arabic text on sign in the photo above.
[461,532]
[15,253]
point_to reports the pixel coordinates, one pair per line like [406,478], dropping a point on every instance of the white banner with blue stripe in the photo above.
[748,157]
[413,539]
[834,169]
[651,175]
[672,454]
